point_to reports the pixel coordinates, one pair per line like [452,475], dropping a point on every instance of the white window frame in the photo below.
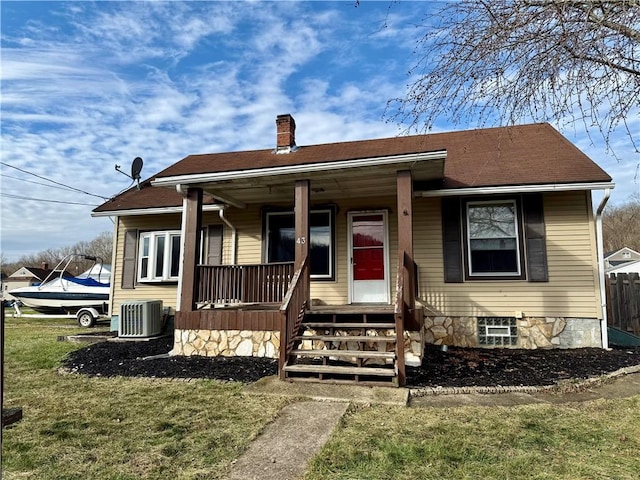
[497,330]
[516,219]
[153,276]
[330,212]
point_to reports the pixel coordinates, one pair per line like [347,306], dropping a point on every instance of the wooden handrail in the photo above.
[400,313]
[231,284]
[295,302]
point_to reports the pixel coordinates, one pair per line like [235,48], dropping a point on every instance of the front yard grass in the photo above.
[75,427]
[591,440]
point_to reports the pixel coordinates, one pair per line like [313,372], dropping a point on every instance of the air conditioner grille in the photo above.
[140,318]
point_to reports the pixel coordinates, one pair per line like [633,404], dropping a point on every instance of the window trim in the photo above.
[520,246]
[153,236]
[331,210]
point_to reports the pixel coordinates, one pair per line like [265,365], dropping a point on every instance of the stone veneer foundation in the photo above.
[533,332]
[246,343]
[226,343]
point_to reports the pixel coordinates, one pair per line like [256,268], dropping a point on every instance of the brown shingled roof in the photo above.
[519,155]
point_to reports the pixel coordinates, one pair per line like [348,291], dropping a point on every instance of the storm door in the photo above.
[369,257]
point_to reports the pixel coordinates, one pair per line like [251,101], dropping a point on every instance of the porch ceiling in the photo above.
[325,185]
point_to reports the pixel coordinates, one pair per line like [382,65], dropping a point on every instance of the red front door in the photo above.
[368,257]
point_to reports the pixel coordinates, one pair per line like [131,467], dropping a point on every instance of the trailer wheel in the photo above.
[86,319]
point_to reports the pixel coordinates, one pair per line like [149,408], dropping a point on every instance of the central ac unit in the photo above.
[140,319]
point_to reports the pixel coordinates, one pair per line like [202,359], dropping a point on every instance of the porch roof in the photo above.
[533,154]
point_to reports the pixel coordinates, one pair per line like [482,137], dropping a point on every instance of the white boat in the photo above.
[62,292]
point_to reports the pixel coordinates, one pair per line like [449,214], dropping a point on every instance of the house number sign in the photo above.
[301,240]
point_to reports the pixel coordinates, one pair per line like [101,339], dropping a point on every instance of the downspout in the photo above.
[601,274]
[233,235]
[183,227]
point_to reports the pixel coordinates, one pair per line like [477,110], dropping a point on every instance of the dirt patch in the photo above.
[457,367]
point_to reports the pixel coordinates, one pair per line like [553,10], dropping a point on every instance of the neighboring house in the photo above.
[623,260]
[3,284]
[626,267]
[344,259]
[24,277]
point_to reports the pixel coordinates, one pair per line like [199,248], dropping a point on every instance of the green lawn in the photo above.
[77,427]
[593,440]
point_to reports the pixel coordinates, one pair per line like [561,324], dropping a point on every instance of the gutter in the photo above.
[151,211]
[234,233]
[547,187]
[601,274]
[183,227]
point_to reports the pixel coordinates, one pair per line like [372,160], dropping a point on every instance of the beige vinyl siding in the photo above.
[337,292]
[151,291]
[248,223]
[572,289]
[167,292]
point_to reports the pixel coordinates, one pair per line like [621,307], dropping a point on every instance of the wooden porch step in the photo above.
[357,309]
[381,382]
[338,370]
[344,353]
[349,325]
[346,338]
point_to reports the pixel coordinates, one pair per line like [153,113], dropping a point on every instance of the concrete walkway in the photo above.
[283,450]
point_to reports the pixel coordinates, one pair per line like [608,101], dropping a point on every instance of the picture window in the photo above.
[280,240]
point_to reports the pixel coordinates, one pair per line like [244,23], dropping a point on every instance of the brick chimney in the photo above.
[286,134]
[44,266]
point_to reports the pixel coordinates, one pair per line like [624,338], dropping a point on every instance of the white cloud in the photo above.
[91,85]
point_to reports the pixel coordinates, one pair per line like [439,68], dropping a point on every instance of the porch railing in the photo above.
[232,284]
[293,307]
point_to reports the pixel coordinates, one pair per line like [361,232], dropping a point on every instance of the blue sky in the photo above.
[88,85]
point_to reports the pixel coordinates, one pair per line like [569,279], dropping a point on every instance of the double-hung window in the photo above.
[493,239]
[280,240]
[159,256]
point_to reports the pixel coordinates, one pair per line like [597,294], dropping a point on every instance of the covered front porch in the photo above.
[271,301]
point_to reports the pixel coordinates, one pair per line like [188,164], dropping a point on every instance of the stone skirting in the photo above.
[533,332]
[226,343]
[246,343]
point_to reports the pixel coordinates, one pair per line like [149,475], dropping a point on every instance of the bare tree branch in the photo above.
[508,61]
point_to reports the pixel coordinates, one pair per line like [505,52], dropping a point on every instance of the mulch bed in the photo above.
[457,367]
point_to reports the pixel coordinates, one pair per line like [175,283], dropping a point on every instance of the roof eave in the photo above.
[151,211]
[296,169]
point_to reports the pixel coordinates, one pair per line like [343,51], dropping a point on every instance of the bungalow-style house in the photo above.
[623,260]
[344,259]
[24,277]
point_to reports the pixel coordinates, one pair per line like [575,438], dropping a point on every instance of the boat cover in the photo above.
[87,282]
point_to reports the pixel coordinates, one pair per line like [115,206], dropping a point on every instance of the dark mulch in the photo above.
[467,367]
[458,367]
[110,359]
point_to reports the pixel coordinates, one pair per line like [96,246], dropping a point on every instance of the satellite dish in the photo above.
[136,168]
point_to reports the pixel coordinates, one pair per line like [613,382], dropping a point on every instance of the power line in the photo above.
[19,197]
[53,181]
[31,181]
